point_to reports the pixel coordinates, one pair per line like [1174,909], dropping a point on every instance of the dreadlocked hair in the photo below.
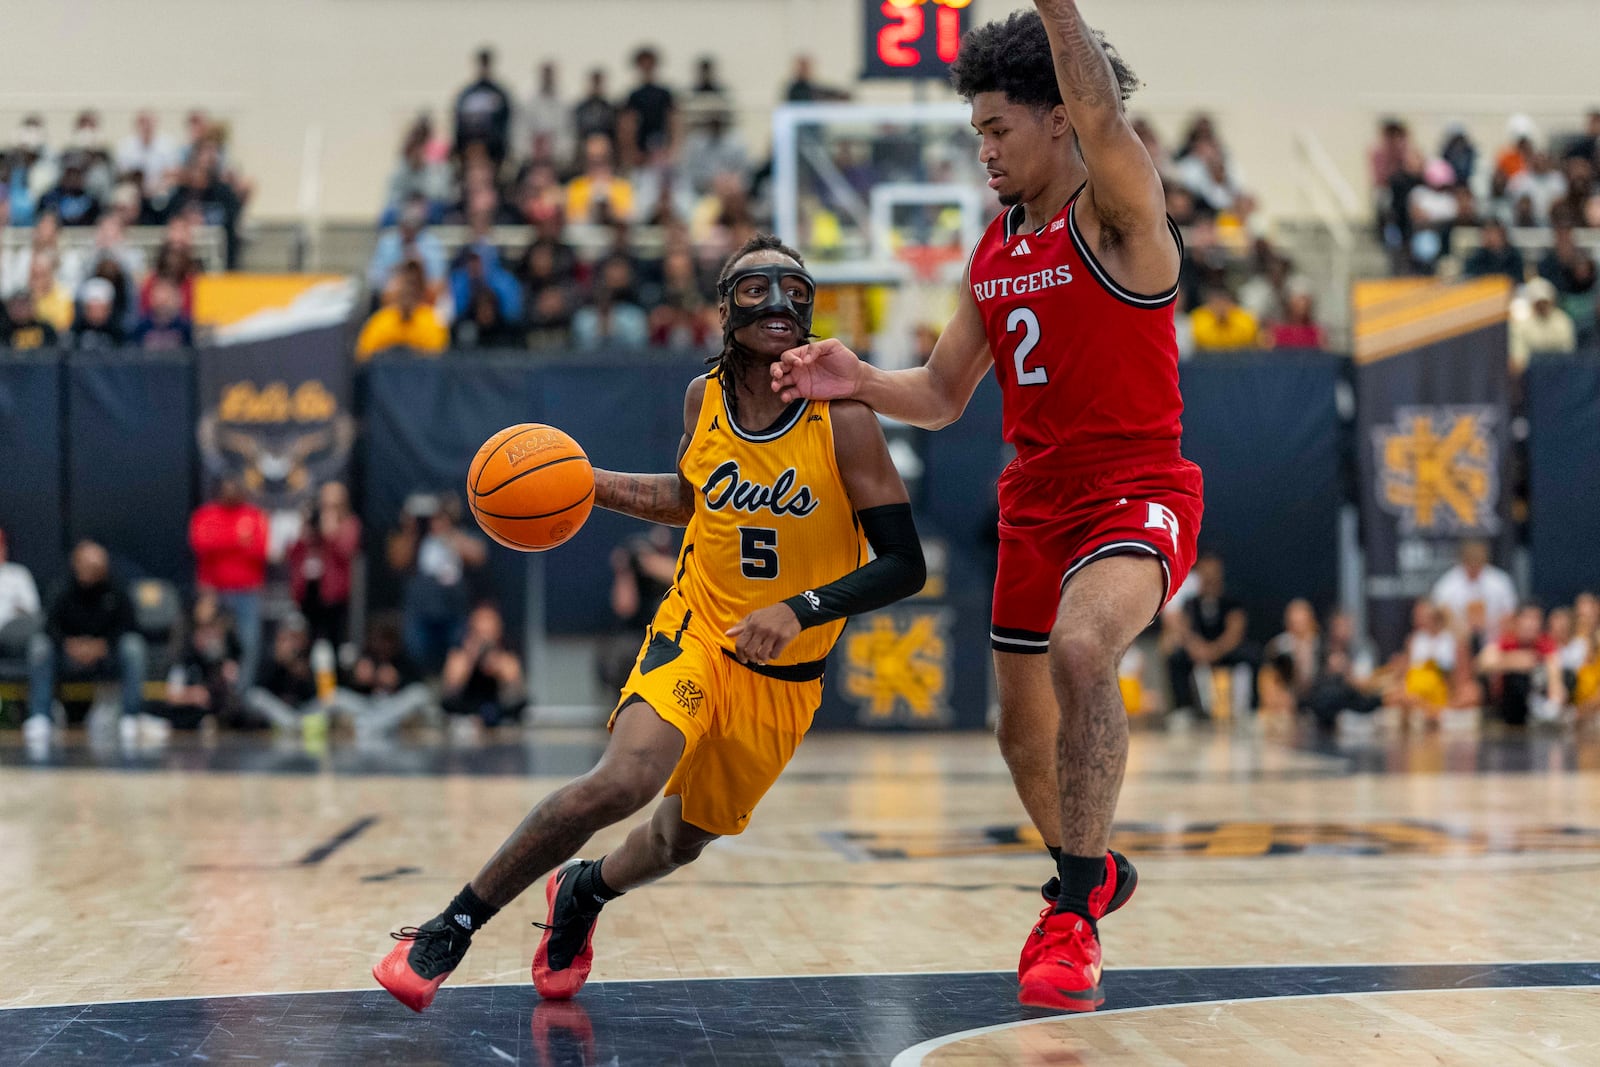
[730,360]
[1013,57]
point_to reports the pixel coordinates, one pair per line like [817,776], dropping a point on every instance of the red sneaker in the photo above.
[426,955]
[1065,972]
[562,1033]
[1122,878]
[566,951]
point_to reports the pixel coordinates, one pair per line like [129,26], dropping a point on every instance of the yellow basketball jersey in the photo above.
[772,519]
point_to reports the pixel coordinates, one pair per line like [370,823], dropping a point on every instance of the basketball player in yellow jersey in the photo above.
[781,502]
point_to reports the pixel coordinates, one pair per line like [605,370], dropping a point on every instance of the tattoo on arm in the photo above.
[1081,64]
[663,498]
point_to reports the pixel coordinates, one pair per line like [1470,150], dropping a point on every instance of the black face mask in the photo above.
[775,301]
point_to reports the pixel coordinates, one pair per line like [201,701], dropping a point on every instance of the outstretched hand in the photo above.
[824,370]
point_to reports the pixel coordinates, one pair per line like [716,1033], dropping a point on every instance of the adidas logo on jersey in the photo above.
[1022,249]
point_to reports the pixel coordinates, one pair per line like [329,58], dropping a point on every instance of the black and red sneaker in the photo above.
[1065,972]
[1122,878]
[566,951]
[426,955]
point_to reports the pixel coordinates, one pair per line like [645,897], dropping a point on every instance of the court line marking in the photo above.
[337,841]
[916,1054]
[867,974]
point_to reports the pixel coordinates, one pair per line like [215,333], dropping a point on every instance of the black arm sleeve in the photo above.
[898,571]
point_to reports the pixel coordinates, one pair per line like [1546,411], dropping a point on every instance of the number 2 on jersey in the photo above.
[1029,323]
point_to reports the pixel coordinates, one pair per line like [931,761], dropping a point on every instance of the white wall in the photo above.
[355,70]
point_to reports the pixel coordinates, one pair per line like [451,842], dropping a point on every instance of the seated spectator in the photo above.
[1205,172]
[545,120]
[1294,657]
[547,270]
[1515,158]
[417,177]
[70,199]
[206,675]
[1582,201]
[89,634]
[540,196]
[599,193]
[595,115]
[1221,325]
[1569,268]
[384,688]
[408,240]
[175,262]
[714,146]
[683,318]
[1476,593]
[1495,256]
[96,328]
[1458,150]
[722,212]
[1538,325]
[1435,207]
[611,319]
[16,264]
[482,325]
[1299,328]
[478,266]
[483,113]
[1524,670]
[19,597]
[663,196]
[1572,648]
[1542,183]
[152,156]
[164,327]
[1426,667]
[1210,632]
[649,122]
[124,297]
[1345,682]
[52,301]
[21,329]
[434,553]
[229,538]
[321,562]
[409,323]
[285,691]
[1586,627]
[482,678]
[201,184]
[480,204]
[31,171]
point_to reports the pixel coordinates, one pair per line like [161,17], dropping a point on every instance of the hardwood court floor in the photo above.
[247,870]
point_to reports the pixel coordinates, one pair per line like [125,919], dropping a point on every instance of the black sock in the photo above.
[1080,876]
[1055,853]
[589,889]
[467,912]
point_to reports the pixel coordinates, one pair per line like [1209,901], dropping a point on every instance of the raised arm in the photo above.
[667,499]
[1125,189]
[930,396]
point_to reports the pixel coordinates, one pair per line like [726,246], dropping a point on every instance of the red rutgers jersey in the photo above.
[1088,371]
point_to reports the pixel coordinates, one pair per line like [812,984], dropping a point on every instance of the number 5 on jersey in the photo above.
[1025,320]
[758,552]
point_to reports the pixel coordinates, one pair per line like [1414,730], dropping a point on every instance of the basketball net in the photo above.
[923,301]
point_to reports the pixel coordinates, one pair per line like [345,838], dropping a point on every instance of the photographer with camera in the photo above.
[432,550]
[320,564]
[483,681]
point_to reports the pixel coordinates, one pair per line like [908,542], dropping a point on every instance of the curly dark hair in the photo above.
[1013,57]
[729,362]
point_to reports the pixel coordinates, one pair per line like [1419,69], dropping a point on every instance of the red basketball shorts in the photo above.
[1054,523]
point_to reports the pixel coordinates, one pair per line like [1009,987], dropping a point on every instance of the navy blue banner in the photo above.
[1563,397]
[130,459]
[1433,441]
[30,463]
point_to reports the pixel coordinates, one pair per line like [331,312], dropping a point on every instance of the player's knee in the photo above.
[674,850]
[1078,656]
[1018,743]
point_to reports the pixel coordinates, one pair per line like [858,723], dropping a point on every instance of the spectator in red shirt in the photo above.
[1523,666]
[1299,328]
[320,561]
[229,540]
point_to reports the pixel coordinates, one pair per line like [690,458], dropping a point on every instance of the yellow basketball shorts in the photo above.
[740,728]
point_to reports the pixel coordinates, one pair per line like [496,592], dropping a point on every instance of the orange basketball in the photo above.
[530,487]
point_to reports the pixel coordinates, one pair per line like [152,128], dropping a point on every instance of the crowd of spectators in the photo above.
[608,165]
[1474,647]
[104,293]
[1543,187]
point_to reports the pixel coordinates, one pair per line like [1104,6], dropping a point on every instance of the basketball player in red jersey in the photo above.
[1069,297]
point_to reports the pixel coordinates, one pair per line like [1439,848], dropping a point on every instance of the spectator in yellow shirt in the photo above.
[599,194]
[409,322]
[52,301]
[1220,324]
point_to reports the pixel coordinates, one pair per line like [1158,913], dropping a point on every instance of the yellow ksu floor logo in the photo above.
[1438,468]
[897,667]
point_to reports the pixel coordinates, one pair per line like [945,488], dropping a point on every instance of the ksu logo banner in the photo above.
[897,668]
[1438,469]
